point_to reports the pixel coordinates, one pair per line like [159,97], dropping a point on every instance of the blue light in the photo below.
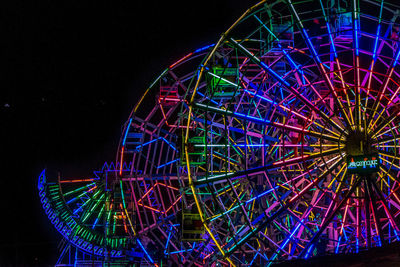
[376,41]
[168,163]
[337,247]
[213,101]
[166,141]
[397,57]
[154,140]
[308,252]
[145,252]
[126,132]
[204,48]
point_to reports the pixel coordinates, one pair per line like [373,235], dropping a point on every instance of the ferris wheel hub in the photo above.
[358,143]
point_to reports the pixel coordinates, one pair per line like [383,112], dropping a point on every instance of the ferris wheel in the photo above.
[291,144]
[279,142]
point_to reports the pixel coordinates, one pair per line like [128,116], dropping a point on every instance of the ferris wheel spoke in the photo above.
[383,126]
[90,186]
[262,121]
[279,212]
[374,54]
[391,163]
[386,208]
[356,63]
[287,85]
[336,59]
[319,65]
[295,66]
[389,154]
[277,164]
[91,211]
[301,223]
[378,225]
[86,202]
[329,218]
[336,193]
[371,123]
[389,139]
[386,171]
[379,126]
[291,111]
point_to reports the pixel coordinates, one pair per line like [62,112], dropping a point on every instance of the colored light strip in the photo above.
[145,251]
[322,69]
[179,61]
[302,98]
[127,131]
[204,48]
[168,163]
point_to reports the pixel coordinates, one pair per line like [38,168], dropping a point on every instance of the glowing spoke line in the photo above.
[280,211]
[92,209]
[382,92]
[378,226]
[273,165]
[336,195]
[304,215]
[385,109]
[384,170]
[356,63]
[124,208]
[337,61]
[387,140]
[330,217]
[388,130]
[98,217]
[318,179]
[84,193]
[289,110]
[86,202]
[374,56]
[286,85]
[298,70]
[264,121]
[388,154]
[320,66]
[241,204]
[383,201]
[79,189]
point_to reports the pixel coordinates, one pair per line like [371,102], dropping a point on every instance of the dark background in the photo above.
[70,75]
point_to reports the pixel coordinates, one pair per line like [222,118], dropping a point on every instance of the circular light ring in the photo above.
[274,184]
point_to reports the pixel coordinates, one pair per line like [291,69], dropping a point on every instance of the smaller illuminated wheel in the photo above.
[89,214]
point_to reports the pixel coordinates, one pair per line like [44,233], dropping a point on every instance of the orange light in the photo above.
[121,161]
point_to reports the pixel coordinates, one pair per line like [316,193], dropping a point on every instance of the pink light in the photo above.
[172,99]
[77,180]
[291,160]
[290,127]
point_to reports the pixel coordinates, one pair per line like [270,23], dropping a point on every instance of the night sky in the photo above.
[71,73]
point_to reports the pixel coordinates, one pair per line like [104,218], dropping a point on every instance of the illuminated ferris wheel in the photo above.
[279,142]
[291,144]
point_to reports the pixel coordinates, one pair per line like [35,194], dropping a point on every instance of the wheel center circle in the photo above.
[358,143]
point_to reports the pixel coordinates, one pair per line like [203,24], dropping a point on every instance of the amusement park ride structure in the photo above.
[279,142]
